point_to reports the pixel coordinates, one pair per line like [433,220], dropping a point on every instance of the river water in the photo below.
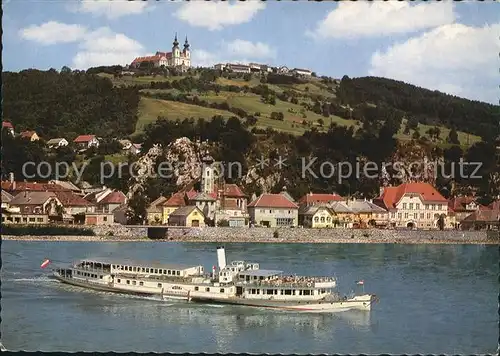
[434,299]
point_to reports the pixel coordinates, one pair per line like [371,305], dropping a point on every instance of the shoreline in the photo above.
[271,240]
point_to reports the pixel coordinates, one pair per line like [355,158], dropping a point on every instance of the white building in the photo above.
[176,58]
[57,142]
[414,205]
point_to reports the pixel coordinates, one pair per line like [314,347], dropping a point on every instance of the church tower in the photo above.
[176,52]
[187,53]
[208,174]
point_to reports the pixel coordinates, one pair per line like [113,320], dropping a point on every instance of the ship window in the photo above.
[178,273]
[134,283]
[141,283]
[258,291]
[143,269]
[159,285]
[126,268]
[288,292]
[196,288]
[307,292]
[207,289]
[160,271]
[134,269]
[281,291]
[164,271]
[300,292]
[128,282]
[156,270]
[222,290]
[169,272]
[119,280]
[147,270]
[270,291]
[275,291]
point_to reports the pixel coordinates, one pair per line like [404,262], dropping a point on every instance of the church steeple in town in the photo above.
[186,44]
[176,43]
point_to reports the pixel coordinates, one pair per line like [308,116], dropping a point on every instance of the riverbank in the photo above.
[265,235]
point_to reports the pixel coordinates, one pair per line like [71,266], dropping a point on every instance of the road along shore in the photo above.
[282,235]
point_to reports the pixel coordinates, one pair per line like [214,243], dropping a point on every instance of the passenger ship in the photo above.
[238,283]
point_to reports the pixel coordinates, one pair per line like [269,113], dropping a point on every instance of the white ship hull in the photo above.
[362,302]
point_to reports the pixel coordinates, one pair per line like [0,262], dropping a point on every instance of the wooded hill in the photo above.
[102,101]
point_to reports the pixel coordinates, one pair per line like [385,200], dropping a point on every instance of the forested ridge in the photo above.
[426,106]
[68,104]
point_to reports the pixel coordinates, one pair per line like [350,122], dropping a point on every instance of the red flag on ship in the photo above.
[361,282]
[45,263]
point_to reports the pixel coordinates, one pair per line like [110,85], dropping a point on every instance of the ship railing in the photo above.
[291,284]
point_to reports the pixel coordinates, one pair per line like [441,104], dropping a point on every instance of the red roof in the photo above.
[34,187]
[115,197]
[314,198]
[233,191]
[191,193]
[84,138]
[70,199]
[154,58]
[27,134]
[7,124]
[392,195]
[272,201]
[176,200]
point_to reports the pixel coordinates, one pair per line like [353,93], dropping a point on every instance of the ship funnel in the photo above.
[221,257]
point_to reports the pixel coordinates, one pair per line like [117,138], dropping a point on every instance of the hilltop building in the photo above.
[176,58]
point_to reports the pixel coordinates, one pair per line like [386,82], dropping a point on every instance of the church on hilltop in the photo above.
[176,58]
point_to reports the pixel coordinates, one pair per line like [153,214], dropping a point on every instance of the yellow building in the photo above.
[155,211]
[316,217]
[30,135]
[175,202]
[189,216]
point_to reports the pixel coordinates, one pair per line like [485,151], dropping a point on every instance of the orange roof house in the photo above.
[391,196]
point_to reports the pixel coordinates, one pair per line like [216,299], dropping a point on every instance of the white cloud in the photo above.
[456,59]
[237,51]
[215,15]
[243,48]
[53,32]
[111,9]
[104,47]
[374,19]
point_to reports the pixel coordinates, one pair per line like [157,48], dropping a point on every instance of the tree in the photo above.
[441,222]
[453,137]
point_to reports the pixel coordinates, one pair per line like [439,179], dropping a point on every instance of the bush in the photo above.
[223,223]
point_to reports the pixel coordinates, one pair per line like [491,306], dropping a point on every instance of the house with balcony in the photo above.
[33,208]
[310,199]
[414,205]
[366,213]
[107,199]
[273,210]
[316,216]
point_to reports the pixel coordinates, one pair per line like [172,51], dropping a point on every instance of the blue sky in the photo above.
[452,47]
